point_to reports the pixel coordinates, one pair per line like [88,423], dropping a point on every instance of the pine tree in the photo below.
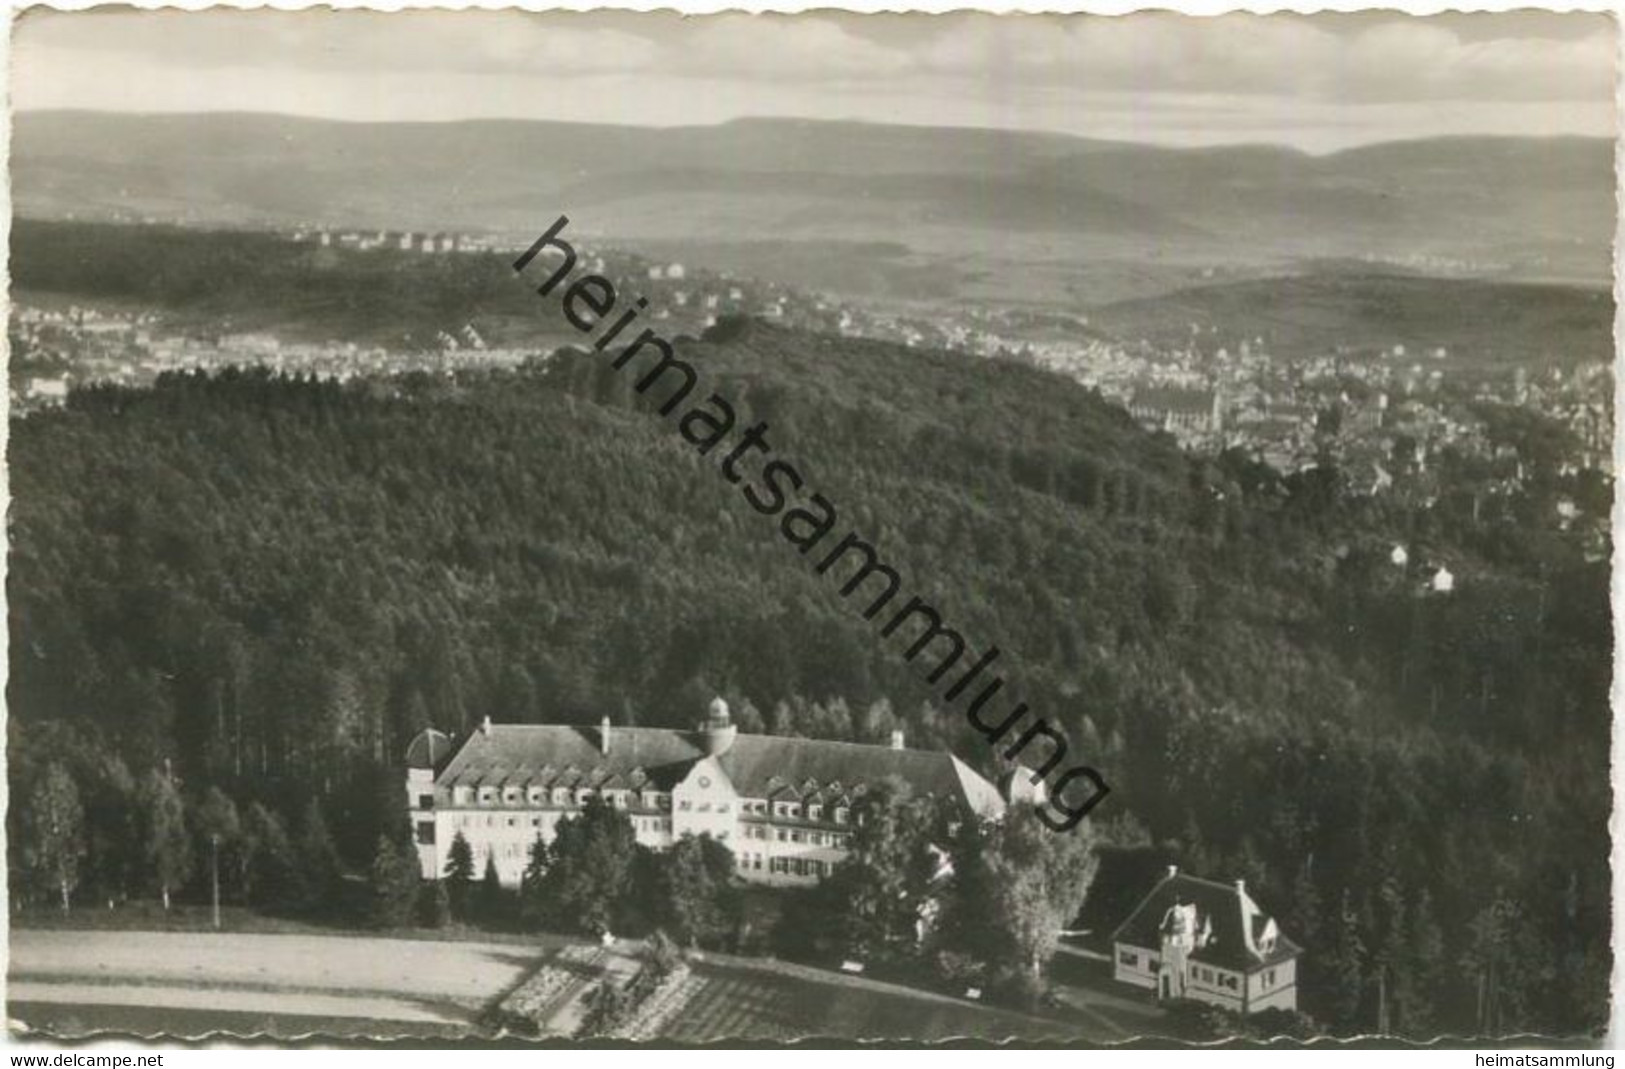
[1305,907]
[321,872]
[269,870]
[747,718]
[1489,960]
[113,861]
[434,905]
[781,720]
[590,865]
[1388,953]
[1197,858]
[493,898]
[393,883]
[459,874]
[532,885]
[1247,864]
[1422,964]
[1344,966]
[875,724]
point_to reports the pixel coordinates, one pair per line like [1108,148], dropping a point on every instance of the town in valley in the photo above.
[386,662]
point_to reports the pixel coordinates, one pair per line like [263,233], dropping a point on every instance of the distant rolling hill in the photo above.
[1360,313]
[1483,206]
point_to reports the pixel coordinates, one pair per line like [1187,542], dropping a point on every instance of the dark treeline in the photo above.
[273,584]
[222,282]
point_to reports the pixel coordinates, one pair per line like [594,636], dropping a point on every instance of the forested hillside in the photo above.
[221,282]
[274,583]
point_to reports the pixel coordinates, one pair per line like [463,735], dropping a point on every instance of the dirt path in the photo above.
[334,977]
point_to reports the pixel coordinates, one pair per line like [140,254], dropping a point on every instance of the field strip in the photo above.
[447,972]
[225,999]
[134,982]
[1015,1022]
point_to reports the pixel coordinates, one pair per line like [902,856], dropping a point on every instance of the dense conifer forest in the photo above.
[273,583]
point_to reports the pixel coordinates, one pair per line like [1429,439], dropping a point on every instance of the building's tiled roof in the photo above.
[568,755]
[759,766]
[1225,909]
[755,760]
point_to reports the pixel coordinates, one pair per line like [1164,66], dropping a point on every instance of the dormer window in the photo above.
[561,796]
[488,795]
[1266,938]
[536,796]
[462,795]
[510,795]
[815,812]
[841,814]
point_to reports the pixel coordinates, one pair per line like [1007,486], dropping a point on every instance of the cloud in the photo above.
[1400,61]
[779,47]
[1315,81]
[1289,56]
[470,42]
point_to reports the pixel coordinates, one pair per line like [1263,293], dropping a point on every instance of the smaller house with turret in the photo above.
[1193,938]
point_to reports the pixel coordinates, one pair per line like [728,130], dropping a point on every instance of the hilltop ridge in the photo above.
[1510,205]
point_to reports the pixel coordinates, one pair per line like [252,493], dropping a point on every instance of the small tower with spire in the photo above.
[717,730]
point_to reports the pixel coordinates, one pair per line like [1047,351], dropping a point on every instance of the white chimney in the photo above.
[897,738]
[1241,888]
[485,726]
[603,735]
[1173,870]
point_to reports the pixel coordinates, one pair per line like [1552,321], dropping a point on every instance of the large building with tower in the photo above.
[784,806]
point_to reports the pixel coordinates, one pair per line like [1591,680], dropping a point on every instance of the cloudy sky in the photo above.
[1318,82]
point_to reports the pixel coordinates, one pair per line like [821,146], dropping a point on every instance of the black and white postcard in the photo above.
[734,528]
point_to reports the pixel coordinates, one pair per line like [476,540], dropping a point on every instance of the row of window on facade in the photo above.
[797,835]
[1201,973]
[793,811]
[784,866]
[1214,978]
[566,796]
[656,825]
[650,824]
[559,796]
[814,811]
